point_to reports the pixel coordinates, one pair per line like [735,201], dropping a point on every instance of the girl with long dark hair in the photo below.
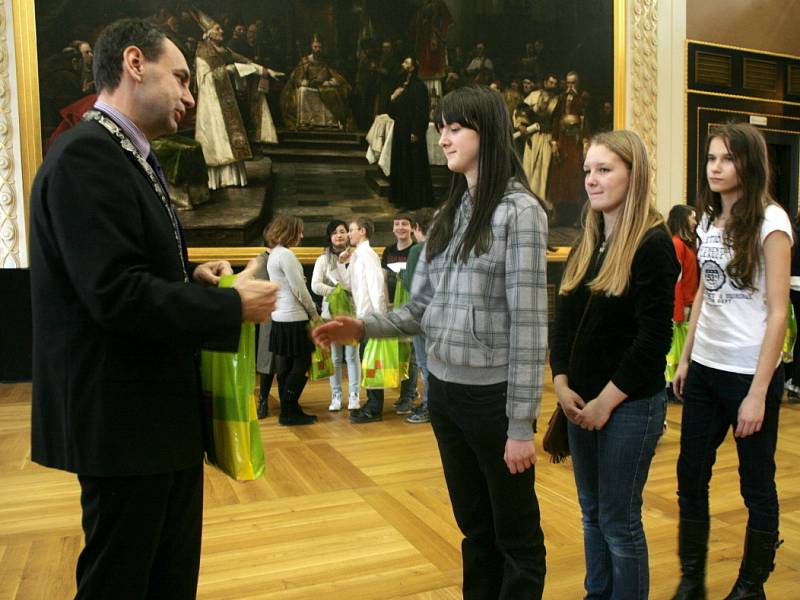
[729,375]
[479,298]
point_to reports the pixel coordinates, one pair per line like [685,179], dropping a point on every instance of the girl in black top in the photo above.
[611,334]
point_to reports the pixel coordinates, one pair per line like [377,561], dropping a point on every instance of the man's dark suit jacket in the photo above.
[116,331]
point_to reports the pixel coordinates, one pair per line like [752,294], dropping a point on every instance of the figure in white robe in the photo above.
[538,133]
[232,109]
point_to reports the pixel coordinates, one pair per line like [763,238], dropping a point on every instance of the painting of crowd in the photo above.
[555,73]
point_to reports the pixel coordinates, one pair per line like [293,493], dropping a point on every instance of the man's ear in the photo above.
[133,62]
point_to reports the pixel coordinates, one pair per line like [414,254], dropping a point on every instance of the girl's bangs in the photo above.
[453,109]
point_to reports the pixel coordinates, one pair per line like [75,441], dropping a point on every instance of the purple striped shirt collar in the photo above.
[129,127]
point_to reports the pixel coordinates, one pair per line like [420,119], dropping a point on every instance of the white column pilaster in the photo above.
[13,238]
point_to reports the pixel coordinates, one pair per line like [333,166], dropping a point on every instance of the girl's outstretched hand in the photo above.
[341,330]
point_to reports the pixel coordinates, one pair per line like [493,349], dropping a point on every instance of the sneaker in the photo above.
[421,415]
[364,415]
[353,402]
[336,402]
[400,401]
[404,408]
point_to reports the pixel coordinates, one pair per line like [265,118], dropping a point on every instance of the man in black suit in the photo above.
[119,317]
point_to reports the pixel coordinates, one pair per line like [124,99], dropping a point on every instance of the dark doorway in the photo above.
[784,159]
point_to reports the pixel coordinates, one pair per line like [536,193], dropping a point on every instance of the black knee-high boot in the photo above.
[284,412]
[692,551]
[757,563]
[291,412]
[265,383]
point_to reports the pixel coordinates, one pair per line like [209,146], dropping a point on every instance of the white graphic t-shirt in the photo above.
[733,321]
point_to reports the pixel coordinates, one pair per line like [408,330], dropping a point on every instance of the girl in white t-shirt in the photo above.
[729,375]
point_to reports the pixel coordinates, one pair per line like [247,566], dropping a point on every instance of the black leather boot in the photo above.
[284,412]
[293,387]
[757,563]
[692,551]
[262,406]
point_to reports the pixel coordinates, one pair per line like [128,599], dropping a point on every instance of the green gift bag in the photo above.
[791,335]
[676,349]
[339,302]
[321,364]
[404,351]
[228,380]
[401,294]
[380,365]
[401,297]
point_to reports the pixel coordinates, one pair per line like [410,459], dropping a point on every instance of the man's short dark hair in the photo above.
[113,40]
[423,218]
[404,216]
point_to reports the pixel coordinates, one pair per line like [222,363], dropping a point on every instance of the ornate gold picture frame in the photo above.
[27,61]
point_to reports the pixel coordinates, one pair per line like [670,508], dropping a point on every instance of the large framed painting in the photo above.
[310,79]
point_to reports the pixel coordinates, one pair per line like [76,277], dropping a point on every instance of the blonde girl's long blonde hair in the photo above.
[637,218]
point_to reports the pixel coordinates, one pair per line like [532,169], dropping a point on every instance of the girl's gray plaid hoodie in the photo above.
[485,321]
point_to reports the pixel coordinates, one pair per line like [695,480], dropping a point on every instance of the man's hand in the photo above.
[520,455]
[258,299]
[275,74]
[340,330]
[414,138]
[209,272]
[397,93]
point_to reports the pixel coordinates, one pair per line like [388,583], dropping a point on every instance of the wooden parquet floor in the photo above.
[362,512]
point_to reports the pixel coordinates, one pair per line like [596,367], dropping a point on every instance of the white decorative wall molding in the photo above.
[671,138]
[656,92]
[643,80]
[13,245]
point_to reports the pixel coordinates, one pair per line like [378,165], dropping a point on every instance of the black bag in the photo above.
[555,440]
